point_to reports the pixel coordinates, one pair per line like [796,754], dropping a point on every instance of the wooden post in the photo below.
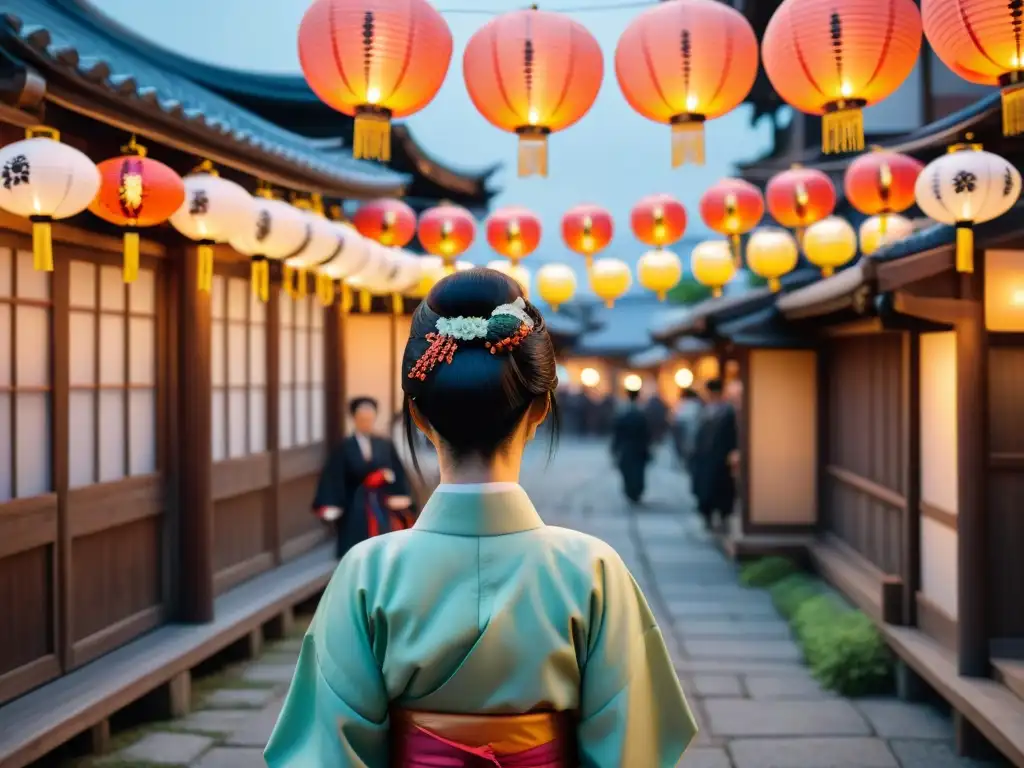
[911,399]
[334,373]
[393,364]
[972,468]
[273,414]
[61,565]
[824,438]
[195,508]
[746,459]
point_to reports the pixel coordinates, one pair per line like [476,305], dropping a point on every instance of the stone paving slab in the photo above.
[770,650]
[256,730]
[237,698]
[709,686]
[812,753]
[799,687]
[163,749]
[933,754]
[705,757]
[216,721]
[739,667]
[733,628]
[897,719]
[227,757]
[271,674]
[746,717]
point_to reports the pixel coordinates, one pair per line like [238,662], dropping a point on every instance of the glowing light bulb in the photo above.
[691,103]
[633,383]
[1018,298]
[589,377]
[684,378]
[533,116]
[846,90]
[373,95]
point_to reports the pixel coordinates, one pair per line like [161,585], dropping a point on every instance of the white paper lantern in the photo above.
[42,180]
[353,255]
[829,244]
[878,231]
[432,271]
[556,284]
[610,279]
[462,266]
[517,272]
[277,231]
[965,187]
[659,271]
[375,278]
[213,211]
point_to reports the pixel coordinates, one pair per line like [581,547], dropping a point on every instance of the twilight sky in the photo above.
[612,157]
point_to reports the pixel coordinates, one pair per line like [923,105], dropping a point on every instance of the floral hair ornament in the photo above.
[504,330]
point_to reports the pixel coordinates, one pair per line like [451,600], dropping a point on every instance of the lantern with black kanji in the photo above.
[43,180]
[277,231]
[136,191]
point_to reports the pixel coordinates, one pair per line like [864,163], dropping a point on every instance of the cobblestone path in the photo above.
[757,705]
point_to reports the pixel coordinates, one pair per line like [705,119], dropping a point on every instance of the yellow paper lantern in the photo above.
[517,272]
[610,279]
[830,243]
[712,264]
[877,231]
[659,271]
[556,284]
[432,270]
[771,253]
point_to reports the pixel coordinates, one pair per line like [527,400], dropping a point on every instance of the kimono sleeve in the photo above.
[336,710]
[632,708]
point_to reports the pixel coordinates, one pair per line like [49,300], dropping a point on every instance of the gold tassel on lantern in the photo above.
[397,304]
[687,140]
[964,247]
[365,302]
[346,298]
[42,244]
[204,276]
[1013,103]
[842,127]
[300,283]
[260,277]
[371,138]
[325,289]
[533,151]
[288,281]
[130,270]
[716,292]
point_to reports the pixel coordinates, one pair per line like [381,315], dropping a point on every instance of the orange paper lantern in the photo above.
[587,230]
[880,183]
[799,197]
[386,221]
[685,62]
[732,207]
[834,59]
[532,73]
[374,60]
[136,191]
[658,220]
[982,41]
[447,231]
[513,232]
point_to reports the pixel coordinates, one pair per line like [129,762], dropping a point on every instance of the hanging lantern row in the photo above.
[533,72]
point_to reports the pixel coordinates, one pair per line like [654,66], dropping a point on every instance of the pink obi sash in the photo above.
[429,740]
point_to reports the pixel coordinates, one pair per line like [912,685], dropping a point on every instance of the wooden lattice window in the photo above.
[239,368]
[112,406]
[302,394]
[26,407]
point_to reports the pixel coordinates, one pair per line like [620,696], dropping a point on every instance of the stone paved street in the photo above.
[757,705]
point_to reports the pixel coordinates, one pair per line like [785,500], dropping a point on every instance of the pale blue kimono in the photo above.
[481,608]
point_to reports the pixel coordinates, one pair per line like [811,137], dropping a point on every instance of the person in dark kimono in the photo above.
[363,488]
[631,447]
[714,455]
[657,417]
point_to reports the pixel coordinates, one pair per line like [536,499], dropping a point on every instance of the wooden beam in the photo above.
[910,396]
[864,327]
[972,470]
[195,505]
[934,310]
[894,275]
[275,539]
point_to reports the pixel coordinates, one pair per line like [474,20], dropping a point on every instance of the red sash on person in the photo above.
[380,518]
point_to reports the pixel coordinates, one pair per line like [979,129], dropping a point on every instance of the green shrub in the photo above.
[843,648]
[767,571]
[790,593]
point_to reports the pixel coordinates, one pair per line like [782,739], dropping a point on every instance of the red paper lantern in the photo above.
[881,182]
[386,221]
[799,197]
[658,220]
[135,192]
[447,231]
[732,207]
[834,58]
[513,232]
[587,229]
[532,73]
[374,60]
[685,62]
[981,41]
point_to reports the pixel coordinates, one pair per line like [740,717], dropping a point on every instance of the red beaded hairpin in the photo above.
[505,330]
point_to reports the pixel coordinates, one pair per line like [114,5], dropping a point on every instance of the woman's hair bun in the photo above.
[475,401]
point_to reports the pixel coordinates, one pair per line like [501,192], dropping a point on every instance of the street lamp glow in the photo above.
[589,377]
[684,378]
[633,383]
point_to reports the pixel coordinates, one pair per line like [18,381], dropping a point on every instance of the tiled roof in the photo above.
[63,37]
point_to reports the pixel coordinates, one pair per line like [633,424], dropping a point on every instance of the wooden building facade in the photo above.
[159,446]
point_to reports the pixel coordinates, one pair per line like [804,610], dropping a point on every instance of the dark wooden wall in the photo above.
[864,478]
[91,540]
[1006,486]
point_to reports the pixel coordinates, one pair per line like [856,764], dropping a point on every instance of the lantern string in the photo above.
[561,9]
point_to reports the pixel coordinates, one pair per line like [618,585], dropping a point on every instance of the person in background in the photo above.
[481,636]
[631,447]
[657,417]
[363,488]
[714,454]
[685,420]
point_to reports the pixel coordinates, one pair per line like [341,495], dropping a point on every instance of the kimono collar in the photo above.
[486,509]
